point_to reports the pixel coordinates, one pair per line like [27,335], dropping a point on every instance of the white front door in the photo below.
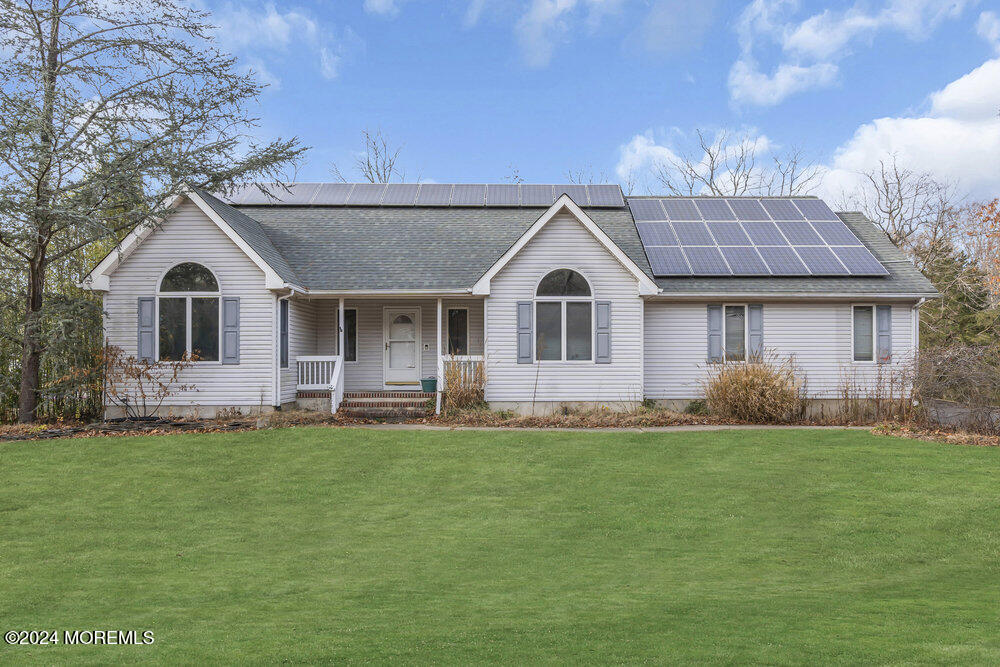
[402,346]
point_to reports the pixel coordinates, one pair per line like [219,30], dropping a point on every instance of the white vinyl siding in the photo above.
[301,342]
[188,235]
[817,335]
[366,373]
[564,243]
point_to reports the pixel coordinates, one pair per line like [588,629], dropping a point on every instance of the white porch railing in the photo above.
[466,365]
[315,373]
[322,374]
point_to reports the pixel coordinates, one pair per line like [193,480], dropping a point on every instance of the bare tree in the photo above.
[514,175]
[377,164]
[106,110]
[910,206]
[729,166]
[586,176]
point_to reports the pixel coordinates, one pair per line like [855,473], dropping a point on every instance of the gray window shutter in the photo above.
[755,330]
[147,328]
[230,330]
[602,332]
[524,332]
[714,333]
[883,328]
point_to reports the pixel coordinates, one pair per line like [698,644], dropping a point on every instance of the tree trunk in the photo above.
[31,356]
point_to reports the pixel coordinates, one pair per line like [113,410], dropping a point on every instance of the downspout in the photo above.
[275,364]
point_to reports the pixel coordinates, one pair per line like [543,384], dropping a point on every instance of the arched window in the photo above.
[563,282]
[188,314]
[189,277]
[564,316]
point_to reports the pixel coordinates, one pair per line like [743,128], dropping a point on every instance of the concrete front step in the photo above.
[412,395]
[387,405]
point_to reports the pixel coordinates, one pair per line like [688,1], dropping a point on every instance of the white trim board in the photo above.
[646,286]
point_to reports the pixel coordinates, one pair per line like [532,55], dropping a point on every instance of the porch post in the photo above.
[440,362]
[340,327]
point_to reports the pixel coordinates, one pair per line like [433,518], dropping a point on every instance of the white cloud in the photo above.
[957,141]
[641,154]
[988,27]
[549,22]
[748,84]
[810,48]
[382,7]
[260,32]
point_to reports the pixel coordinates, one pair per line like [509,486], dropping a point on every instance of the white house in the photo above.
[570,295]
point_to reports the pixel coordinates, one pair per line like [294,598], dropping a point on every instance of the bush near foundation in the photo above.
[763,390]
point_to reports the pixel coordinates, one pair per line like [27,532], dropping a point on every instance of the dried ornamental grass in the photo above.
[764,389]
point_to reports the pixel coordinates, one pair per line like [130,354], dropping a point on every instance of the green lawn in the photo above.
[315,544]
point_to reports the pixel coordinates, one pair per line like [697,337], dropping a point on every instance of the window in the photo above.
[735,333]
[188,319]
[564,313]
[458,331]
[350,334]
[864,333]
[283,332]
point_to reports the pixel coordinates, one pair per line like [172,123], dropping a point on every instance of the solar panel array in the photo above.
[426,194]
[749,237]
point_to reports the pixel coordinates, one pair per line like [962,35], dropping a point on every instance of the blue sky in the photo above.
[474,88]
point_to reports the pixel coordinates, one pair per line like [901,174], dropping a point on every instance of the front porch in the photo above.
[379,355]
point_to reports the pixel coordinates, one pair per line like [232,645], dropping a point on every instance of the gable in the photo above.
[186,235]
[193,208]
[560,214]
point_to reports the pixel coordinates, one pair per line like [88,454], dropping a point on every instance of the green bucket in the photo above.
[429,385]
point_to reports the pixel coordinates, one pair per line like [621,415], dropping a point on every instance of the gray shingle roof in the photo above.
[251,231]
[377,248]
[425,248]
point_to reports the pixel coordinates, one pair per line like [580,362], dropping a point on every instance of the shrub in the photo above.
[762,390]
[876,394]
[465,384]
[959,385]
[696,407]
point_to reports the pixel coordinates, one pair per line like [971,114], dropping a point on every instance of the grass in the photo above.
[313,544]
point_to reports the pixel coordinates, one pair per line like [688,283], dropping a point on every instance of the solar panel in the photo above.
[536,195]
[748,209]
[783,261]
[800,233]
[298,194]
[714,209]
[578,193]
[821,261]
[764,233]
[749,237]
[667,261]
[332,194]
[781,209]
[468,195]
[681,209]
[656,233]
[434,194]
[603,195]
[366,194]
[646,209]
[502,195]
[706,261]
[399,194]
[693,233]
[815,209]
[836,233]
[859,261]
[728,233]
[744,261]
